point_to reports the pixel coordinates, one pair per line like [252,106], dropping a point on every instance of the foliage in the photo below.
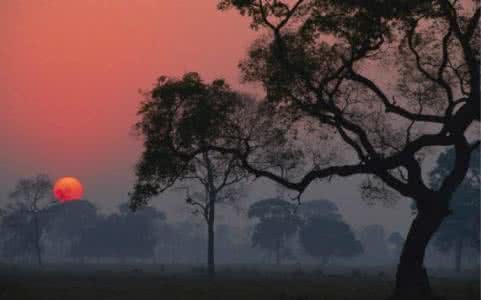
[124,235]
[69,219]
[23,220]
[327,237]
[325,60]
[176,118]
[319,208]
[277,222]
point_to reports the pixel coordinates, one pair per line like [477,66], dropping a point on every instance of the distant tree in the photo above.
[373,239]
[328,237]
[17,234]
[277,223]
[31,197]
[461,228]
[182,113]
[319,208]
[123,236]
[397,241]
[68,221]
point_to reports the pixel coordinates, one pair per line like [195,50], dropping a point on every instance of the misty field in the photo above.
[106,282]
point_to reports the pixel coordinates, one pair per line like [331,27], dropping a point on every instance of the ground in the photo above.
[245,284]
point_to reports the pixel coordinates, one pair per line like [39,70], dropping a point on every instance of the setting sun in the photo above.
[68,189]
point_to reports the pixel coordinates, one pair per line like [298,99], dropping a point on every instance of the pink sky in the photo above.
[71,70]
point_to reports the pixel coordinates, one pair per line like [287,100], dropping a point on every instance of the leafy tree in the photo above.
[31,196]
[373,239]
[461,228]
[124,235]
[277,223]
[17,234]
[319,208]
[67,222]
[320,62]
[188,113]
[326,237]
[69,219]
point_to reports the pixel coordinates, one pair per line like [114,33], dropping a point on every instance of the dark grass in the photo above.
[136,284]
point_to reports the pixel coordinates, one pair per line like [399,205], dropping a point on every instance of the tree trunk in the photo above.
[458,255]
[411,279]
[38,249]
[278,252]
[210,249]
[212,198]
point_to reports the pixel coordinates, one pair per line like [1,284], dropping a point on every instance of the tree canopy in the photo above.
[277,222]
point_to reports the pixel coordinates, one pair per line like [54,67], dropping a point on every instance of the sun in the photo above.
[68,189]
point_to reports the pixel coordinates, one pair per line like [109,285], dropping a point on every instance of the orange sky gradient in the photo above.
[70,73]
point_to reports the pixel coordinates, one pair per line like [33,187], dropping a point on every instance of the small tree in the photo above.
[176,116]
[328,237]
[31,197]
[461,228]
[277,223]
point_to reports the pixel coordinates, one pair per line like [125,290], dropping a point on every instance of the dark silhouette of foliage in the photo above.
[125,235]
[326,237]
[373,239]
[177,116]
[318,62]
[277,223]
[67,220]
[18,234]
[319,208]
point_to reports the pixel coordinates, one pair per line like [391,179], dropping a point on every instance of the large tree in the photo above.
[326,62]
[277,222]
[180,114]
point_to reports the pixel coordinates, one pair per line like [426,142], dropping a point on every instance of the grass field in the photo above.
[136,284]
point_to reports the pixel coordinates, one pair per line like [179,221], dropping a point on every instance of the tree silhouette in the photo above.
[188,113]
[326,237]
[122,236]
[318,62]
[319,208]
[461,228]
[31,197]
[18,236]
[277,223]
[67,222]
[373,239]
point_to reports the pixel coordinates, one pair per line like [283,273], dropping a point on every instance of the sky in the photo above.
[70,74]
